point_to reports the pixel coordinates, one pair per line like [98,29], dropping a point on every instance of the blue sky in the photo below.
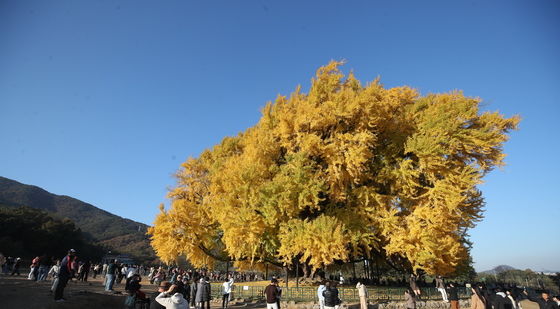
[102,100]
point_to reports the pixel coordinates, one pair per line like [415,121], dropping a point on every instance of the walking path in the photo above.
[18,292]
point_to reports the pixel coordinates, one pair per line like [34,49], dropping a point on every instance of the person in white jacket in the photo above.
[53,272]
[362,292]
[171,299]
[226,290]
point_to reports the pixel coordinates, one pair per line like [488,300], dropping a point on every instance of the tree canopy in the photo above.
[343,172]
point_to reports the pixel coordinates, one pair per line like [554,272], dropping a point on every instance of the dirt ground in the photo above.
[19,293]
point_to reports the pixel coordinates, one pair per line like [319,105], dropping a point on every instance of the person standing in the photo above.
[226,290]
[104,269]
[3,263]
[95,270]
[194,290]
[271,293]
[362,293]
[501,301]
[320,291]
[85,271]
[162,287]
[514,304]
[477,300]
[171,299]
[44,265]
[15,267]
[410,299]
[440,285]
[413,282]
[202,298]
[53,272]
[544,301]
[279,294]
[452,295]
[331,296]
[64,274]
[110,276]
[34,269]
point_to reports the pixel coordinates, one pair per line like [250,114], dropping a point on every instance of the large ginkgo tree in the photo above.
[341,173]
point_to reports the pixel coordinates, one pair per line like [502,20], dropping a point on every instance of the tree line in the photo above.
[29,232]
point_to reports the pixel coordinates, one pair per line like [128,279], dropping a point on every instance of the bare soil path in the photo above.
[19,293]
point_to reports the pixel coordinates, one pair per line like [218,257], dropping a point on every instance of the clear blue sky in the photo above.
[102,100]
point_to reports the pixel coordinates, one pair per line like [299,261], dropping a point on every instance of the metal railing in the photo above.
[346,294]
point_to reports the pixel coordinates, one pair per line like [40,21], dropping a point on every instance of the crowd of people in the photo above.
[177,288]
[181,288]
[497,296]
[509,297]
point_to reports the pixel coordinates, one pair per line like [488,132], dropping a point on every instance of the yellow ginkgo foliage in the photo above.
[343,172]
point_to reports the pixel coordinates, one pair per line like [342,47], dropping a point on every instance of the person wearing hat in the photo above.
[64,274]
[162,287]
[170,298]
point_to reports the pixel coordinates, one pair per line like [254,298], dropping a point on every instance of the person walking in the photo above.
[64,274]
[362,293]
[271,293]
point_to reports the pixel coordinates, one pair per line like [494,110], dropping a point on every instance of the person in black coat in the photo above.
[545,302]
[452,295]
[331,295]
[500,300]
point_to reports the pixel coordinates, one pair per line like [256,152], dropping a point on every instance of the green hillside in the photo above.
[104,228]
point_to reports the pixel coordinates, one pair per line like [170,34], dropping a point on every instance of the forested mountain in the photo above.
[498,269]
[28,232]
[101,227]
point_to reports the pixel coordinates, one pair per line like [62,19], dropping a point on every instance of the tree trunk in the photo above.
[297,274]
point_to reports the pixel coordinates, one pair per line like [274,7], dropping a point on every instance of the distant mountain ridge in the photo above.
[498,269]
[119,234]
